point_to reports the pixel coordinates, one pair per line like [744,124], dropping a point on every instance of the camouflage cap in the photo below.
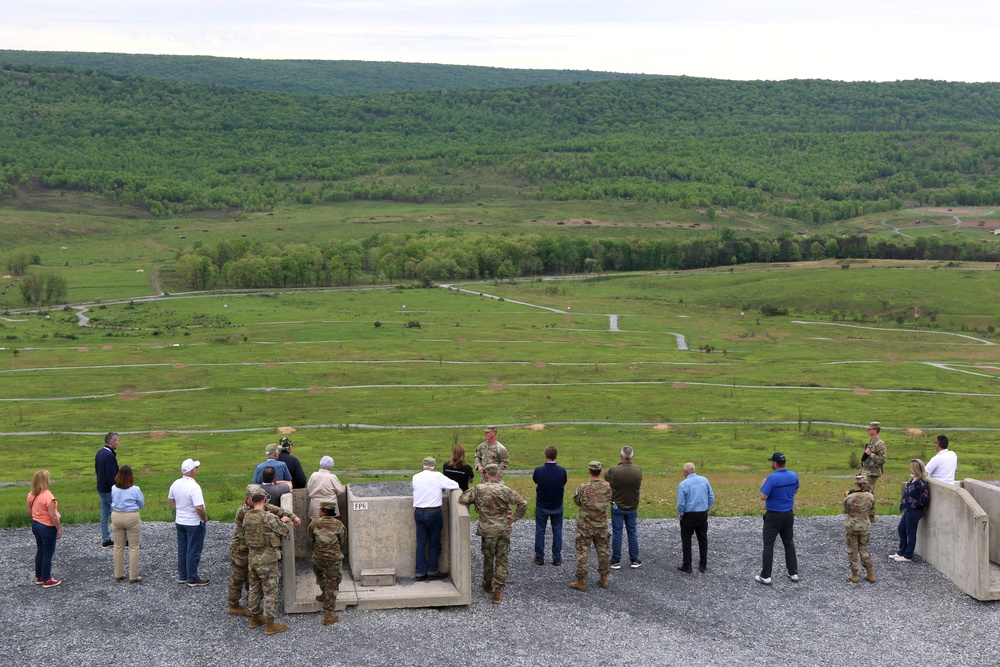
[492,469]
[875,425]
[255,489]
[285,443]
[271,449]
[489,428]
[594,466]
[429,462]
[328,505]
[861,479]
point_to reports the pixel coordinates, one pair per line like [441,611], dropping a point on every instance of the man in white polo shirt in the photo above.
[190,519]
[427,487]
[943,465]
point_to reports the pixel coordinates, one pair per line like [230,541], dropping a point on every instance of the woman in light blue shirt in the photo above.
[126,501]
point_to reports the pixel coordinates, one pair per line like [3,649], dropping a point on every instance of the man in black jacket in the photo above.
[106,468]
[294,467]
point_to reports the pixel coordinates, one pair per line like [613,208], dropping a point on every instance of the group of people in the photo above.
[260,523]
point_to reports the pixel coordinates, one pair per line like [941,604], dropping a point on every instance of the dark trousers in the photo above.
[429,523]
[907,530]
[45,541]
[695,523]
[775,524]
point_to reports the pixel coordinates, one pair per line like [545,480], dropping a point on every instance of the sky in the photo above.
[850,40]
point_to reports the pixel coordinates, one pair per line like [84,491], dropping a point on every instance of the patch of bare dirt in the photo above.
[316,390]
[913,432]
[128,395]
[180,365]
[107,347]
[661,427]
[536,427]
[158,435]
[861,391]
[679,385]
[286,430]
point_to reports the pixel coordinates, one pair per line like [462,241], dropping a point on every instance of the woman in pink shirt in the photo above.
[46,527]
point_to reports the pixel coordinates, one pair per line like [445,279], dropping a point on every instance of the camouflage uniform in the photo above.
[239,553]
[493,501]
[871,465]
[593,499]
[263,532]
[859,511]
[486,454]
[328,534]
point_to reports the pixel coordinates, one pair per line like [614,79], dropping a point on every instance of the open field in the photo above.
[380,377]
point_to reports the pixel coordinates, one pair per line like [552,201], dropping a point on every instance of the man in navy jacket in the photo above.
[106,468]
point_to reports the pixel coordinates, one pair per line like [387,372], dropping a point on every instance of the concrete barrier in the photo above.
[954,536]
[381,535]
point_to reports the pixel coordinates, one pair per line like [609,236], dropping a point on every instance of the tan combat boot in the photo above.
[255,620]
[604,581]
[580,584]
[273,628]
[854,577]
[239,611]
[330,618]
[487,586]
[869,576]
[497,595]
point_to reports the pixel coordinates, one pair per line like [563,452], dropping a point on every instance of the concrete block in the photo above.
[385,576]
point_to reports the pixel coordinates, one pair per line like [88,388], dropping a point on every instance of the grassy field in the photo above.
[379,378]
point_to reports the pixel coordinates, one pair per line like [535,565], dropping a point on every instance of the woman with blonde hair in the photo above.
[913,504]
[126,501]
[46,526]
[458,469]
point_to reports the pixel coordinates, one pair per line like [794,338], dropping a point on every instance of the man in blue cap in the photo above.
[778,494]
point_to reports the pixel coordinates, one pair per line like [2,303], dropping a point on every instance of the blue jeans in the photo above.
[105,515]
[907,530]
[429,523]
[627,518]
[190,540]
[541,516]
[45,540]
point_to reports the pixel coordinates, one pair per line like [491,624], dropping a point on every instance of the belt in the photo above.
[428,509]
[126,511]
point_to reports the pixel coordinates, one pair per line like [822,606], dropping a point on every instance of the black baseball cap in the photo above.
[778,457]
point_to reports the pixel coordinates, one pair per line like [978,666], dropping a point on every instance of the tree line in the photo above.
[241,263]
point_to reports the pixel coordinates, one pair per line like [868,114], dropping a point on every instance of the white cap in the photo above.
[189,465]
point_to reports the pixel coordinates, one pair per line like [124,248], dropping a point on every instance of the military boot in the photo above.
[604,581]
[497,595]
[256,620]
[239,611]
[869,576]
[330,618]
[854,576]
[580,584]
[273,628]
[487,586]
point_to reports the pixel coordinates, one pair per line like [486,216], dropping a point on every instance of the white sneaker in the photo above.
[764,580]
[794,578]
[900,559]
[616,566]
[893,556]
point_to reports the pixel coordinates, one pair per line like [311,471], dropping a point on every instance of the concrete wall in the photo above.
[954,537]
[987,497]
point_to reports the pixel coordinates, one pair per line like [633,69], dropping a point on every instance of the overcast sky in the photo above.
[854,40]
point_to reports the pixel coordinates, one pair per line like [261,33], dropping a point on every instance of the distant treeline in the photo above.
[809,150]
[241,263]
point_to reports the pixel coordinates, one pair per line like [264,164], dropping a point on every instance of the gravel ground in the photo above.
[651,616]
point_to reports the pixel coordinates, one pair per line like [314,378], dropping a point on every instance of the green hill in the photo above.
[318,77]
[809,150]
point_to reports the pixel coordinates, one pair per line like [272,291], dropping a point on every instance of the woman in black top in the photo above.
[457,469]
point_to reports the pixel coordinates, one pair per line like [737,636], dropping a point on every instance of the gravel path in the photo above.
[651,616]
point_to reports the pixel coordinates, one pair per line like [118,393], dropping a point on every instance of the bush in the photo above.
[412,324]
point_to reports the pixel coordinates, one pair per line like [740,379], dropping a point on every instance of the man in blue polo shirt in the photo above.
[778,494]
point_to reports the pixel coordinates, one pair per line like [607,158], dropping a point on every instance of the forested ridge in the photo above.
[810,150]
[318,77]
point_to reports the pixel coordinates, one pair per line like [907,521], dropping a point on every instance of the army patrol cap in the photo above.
[328,505]
[492,469]
[255,490]
[861,479]
[594,466]
[875,425]
[429,462]
[490,428]
[271,449]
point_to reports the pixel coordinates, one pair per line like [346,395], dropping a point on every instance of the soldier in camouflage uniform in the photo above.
[859,512]
[491,451]
[238,551]
[263,531]
[874,456]
[328,534]
[594,499]
[494,501]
